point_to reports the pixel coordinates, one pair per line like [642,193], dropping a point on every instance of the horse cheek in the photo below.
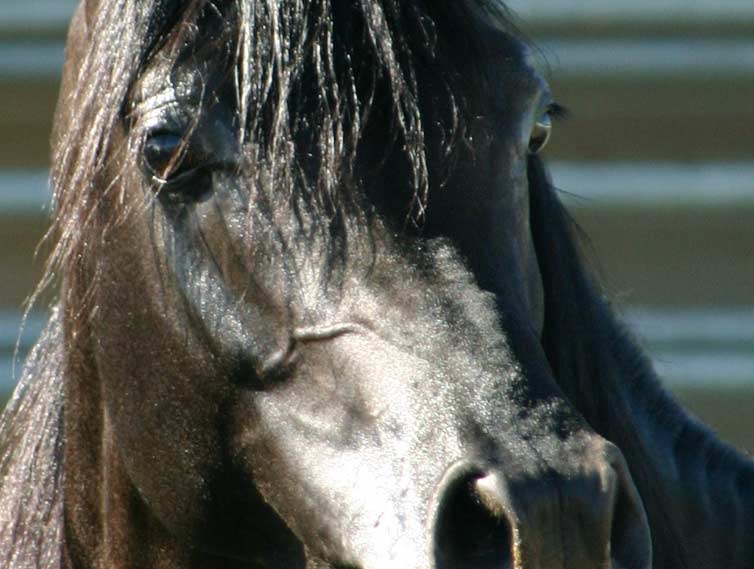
[160,386]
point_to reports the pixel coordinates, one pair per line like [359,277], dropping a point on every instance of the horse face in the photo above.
[295,379]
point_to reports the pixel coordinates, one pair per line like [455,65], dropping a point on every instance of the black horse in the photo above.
[319,306]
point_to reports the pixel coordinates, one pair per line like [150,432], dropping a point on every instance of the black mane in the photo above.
[364,58]
[607,376]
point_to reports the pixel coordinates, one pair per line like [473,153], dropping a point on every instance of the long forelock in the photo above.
[105,53]
[278,46]
[303,80]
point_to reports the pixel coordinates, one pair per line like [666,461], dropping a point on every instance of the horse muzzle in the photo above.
[432,472]
[483,518]
[591,520]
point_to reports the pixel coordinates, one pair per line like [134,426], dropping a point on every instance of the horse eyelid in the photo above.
[542,131]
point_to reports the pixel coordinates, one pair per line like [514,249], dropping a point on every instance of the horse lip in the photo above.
[285,358]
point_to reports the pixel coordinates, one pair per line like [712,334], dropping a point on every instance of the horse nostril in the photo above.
[591,518]
[470,526]
[488,489]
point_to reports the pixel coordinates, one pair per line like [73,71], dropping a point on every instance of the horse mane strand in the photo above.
[31,511]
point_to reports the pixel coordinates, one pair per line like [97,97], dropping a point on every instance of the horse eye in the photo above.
[165,155]
[540,134]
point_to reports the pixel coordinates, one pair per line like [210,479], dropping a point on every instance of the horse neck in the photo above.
[698,491]
[707,487]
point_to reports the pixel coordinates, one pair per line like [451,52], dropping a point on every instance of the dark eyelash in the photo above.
[558,112]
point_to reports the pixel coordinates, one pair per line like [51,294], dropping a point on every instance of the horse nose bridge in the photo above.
[589,516]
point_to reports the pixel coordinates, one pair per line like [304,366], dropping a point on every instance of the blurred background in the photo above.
[656,162]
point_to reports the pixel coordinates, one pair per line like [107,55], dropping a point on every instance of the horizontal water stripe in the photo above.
[24,192]
[675,57]
[34,14]
[23,60]
[585,184]
[704,347]
[649,11]
[11,335]
[45,13]
[705,369]
[651,184]
[722,58]
[686,326]
[725,360]
[10,328]
[8,374]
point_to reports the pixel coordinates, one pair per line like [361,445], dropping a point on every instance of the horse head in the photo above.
[309,302]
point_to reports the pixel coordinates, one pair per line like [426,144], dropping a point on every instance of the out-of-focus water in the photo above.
[15,343]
